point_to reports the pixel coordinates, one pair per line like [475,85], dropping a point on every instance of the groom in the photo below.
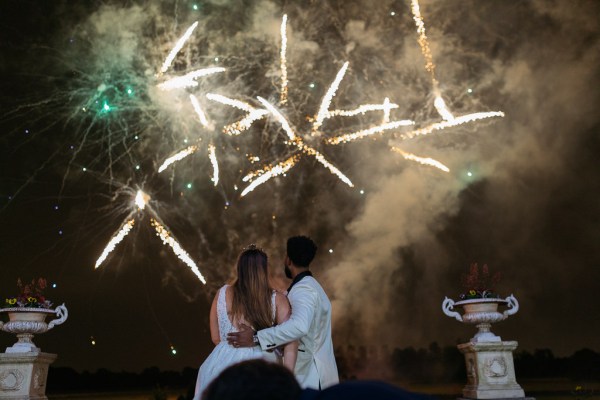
[310,322]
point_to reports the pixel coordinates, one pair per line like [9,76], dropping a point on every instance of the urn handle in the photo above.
[62,313]
[448,306]
[513,306]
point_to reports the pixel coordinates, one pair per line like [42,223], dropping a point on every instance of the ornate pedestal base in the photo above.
[490,371]
[23,375]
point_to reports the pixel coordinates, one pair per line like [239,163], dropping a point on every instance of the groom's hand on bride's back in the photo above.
[242,338]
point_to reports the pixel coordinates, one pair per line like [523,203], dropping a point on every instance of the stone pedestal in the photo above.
[23,375]
[490,370]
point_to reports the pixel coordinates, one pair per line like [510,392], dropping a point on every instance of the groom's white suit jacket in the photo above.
[310,322]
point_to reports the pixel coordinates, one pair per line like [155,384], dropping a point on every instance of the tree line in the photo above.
[434,364]
[447,364]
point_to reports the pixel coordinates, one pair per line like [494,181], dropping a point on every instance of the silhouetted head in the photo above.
[301,250]
[253,380]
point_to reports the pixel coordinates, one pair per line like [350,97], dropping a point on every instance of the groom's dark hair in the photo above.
[301,250]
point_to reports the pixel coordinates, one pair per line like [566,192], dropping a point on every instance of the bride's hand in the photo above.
[242,338]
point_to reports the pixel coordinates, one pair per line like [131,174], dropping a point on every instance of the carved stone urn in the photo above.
[25,322]
[482,313]
[489,360]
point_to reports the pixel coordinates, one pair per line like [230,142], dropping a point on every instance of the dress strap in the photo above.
[225,325]
[222,302]
[274,307]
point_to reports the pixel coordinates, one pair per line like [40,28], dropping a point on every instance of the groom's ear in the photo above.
[287,261]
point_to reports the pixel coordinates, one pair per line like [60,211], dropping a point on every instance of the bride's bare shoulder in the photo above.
[281,299]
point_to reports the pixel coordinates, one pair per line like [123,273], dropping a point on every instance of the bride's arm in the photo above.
[214,322]
[290,350]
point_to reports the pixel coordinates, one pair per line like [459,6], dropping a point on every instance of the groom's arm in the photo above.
[304,300]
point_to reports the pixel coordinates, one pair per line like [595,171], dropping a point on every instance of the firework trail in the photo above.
[326,102]
[168,239]
[212,155]
[463,119]
[439,103]
[283,61]
[178,46]
[200,112]
[177,156]
[368,132]
[421,160]
[254,114]
[115,240]
[385,107]
[268,173]
[188,80]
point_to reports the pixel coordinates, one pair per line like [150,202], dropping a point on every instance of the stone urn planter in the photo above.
[489,360]
[26,322]
[482,313]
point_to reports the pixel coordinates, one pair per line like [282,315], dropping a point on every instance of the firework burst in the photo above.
[448,118]
[139,204]
[294,139]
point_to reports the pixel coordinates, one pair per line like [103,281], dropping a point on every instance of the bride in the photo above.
[247,301]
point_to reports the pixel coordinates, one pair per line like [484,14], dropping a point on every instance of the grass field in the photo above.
[540,389]
[544,389]
[113,396]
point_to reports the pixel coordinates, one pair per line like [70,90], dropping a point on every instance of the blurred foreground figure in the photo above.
[262,380]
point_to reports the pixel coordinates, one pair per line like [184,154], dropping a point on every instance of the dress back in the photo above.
[225,324]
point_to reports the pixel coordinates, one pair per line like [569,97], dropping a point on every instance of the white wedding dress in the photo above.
[224,355]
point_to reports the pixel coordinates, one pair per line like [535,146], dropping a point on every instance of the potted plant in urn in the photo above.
[27,312]
[480,303]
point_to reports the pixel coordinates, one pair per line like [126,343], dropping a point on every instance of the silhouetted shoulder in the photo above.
[360,390]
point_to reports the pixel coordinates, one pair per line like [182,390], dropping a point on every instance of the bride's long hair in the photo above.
[251,292]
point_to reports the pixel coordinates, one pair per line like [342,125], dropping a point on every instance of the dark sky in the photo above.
[521,194]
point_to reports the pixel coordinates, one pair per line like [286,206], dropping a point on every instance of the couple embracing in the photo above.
[250,320]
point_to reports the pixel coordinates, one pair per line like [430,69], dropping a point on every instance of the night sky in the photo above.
[84,127]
